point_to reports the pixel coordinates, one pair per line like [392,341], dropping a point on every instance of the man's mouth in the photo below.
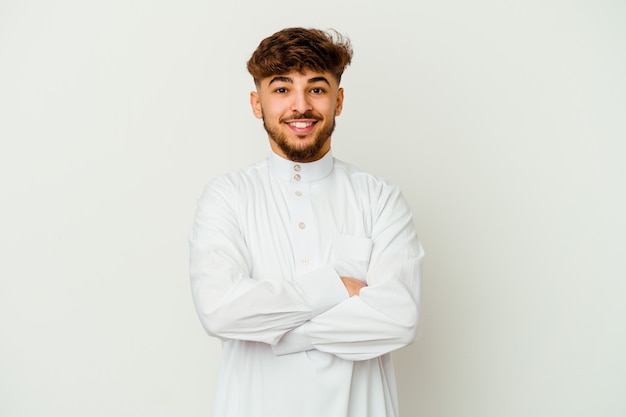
[301,127]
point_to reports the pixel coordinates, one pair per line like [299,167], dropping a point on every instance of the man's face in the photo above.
[298,112]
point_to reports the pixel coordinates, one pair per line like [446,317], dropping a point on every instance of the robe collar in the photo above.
[300,171]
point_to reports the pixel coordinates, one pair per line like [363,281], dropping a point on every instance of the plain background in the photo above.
[502,121]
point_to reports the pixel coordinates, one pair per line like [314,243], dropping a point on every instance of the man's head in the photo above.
[298,50]
[297,73]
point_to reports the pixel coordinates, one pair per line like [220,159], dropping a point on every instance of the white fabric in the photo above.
[268,246]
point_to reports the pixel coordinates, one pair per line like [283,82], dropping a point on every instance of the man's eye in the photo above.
[317,90]
[281,90]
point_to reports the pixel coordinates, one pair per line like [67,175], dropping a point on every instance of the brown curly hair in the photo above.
[300,49]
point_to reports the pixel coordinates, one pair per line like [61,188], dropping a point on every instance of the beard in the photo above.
[301,152]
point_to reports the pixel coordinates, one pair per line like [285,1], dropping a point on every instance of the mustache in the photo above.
[306,115]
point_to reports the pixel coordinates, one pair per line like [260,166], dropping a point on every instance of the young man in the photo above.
[307,268]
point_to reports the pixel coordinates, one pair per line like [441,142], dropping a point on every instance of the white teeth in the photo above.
[301,125]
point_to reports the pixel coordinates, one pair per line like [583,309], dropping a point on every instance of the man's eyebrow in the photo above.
[316,79]
[280,78]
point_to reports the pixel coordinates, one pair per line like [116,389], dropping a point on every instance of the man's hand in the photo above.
[353,285]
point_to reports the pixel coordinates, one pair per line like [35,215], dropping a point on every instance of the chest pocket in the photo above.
[350,256]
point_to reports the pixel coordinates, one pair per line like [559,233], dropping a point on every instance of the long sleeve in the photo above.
[384,317]
[230,303]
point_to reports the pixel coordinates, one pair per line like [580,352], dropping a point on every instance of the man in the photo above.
[307,268]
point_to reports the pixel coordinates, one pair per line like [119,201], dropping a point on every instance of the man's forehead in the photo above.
[308,76]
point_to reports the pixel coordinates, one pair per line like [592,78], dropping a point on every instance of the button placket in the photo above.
[305,245]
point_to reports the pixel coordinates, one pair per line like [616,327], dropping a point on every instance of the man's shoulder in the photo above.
[237,183]
[247,173]
[358,175]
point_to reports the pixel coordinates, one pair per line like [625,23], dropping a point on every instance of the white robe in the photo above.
[267,249]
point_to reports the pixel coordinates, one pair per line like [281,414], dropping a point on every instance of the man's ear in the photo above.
[339,102]
[255,103]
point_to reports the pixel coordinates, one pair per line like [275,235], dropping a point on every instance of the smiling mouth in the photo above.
[302,128]
[301,125]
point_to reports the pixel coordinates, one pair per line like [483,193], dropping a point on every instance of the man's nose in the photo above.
[301,103]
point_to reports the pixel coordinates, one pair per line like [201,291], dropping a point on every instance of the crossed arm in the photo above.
[318,310]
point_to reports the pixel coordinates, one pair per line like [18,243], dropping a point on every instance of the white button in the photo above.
[297,177]
[301,225]
[305,261]
[298,193]
[296,167]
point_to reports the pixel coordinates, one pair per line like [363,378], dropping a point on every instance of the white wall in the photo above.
[502,121]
